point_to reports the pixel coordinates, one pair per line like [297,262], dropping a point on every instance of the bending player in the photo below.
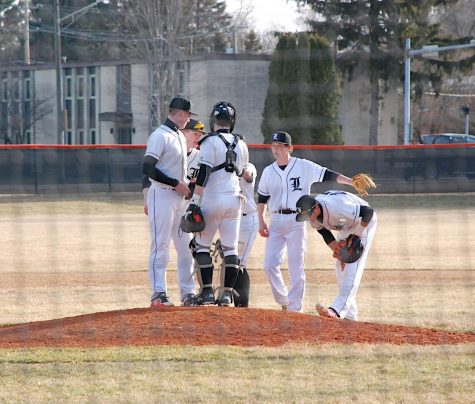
[347,214]
[282,183]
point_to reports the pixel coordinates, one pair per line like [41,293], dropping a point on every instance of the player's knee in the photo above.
[198,248]
[229,251]
[203,259]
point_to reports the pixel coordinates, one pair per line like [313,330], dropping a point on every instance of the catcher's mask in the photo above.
[222,112]
[305,206]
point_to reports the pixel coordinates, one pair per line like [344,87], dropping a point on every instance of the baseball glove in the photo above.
[361,182]
[350,249]
[193,220]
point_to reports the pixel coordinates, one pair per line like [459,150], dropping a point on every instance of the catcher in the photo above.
[355,221]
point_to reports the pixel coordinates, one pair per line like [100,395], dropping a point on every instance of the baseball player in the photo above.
[281,185]
[165,163]
[186,282]
[347,214]
[247,234]
[223,158]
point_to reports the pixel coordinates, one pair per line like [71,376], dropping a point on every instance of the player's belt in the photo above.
[285,211]
[244,214]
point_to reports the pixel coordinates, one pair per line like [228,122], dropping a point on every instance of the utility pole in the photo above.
[60,112]
[430,49]
[26,37]
[59,74]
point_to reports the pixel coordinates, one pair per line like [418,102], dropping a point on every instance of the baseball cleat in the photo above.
[161,300]
[225,299]
[325,312]
[187,300]
[204,298]
[284,307]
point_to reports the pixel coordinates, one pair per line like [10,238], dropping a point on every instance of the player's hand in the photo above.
[263,229]
[337,250]
[145,204]
[182,189]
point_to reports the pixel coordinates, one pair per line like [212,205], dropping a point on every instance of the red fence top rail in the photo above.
[251,146]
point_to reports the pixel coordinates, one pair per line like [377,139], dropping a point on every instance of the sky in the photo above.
[269,14]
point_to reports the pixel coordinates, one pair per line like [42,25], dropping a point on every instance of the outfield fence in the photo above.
[43,169]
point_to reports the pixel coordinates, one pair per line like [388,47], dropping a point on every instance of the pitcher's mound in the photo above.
[213,326]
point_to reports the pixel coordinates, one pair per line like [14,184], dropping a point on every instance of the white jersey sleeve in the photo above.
[169,148]
[247,189]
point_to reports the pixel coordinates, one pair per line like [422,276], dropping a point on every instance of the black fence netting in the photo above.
[411,169]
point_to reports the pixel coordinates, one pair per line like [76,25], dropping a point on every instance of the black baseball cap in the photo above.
[305,205]
[193,124]
[182,104]
[282,137]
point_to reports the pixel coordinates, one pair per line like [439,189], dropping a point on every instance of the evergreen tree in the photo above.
[252,43]
[273,107]
[325,94]
[11,17]
[207,26]
[372,33]
[302,98]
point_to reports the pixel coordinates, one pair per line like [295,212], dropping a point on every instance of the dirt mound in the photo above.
[213,326]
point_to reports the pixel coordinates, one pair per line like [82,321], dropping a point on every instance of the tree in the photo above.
[22,114]
[11,16]
[252,44]
[207,26]
[302,97]
[272,116]
[372,33]
[324,94]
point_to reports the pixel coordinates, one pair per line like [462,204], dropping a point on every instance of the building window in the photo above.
[80,90]
[93,137]
[17,123]
[92,87]
[27,93]
[92,113]
[69,87]
[80,103]
[69,114]
[80,114]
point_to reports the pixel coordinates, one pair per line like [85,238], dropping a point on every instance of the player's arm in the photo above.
[328,238]
[145,187]
[336,177]
[151,171]
[201,181]
[366,214]
[261,211]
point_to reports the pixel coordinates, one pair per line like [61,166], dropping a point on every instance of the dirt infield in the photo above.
[213,326]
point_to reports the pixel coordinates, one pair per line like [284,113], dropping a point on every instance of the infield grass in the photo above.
[292,374]
[76,255]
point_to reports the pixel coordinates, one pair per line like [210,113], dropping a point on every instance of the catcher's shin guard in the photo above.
[242,287]
[205,265]
[228,279]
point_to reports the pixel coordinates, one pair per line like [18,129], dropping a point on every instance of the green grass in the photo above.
[293,374]
[107,233]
